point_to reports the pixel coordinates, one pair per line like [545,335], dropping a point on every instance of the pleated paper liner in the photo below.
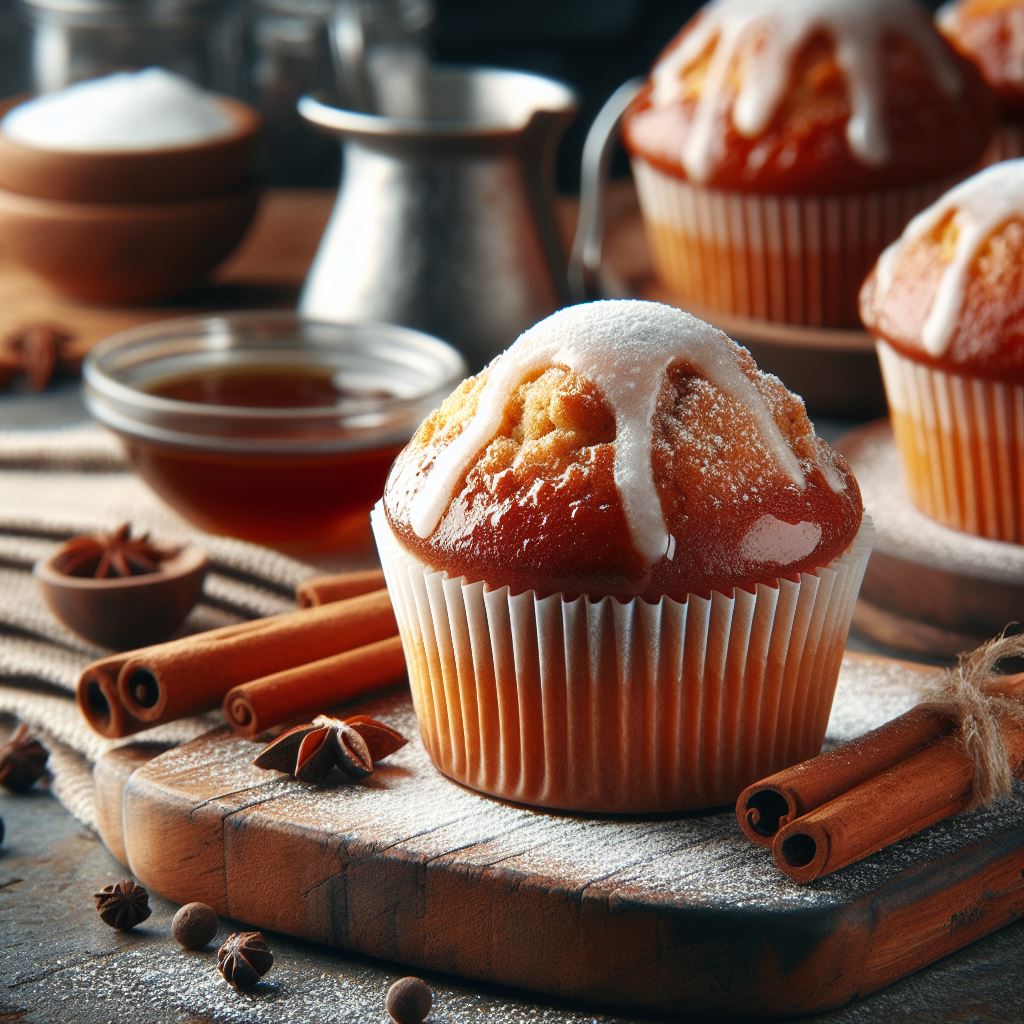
[612,706]
[961,443]
[798,260]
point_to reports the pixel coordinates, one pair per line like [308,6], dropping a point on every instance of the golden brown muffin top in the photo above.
[622,448]
[990,33]
[950,291]
[813,96]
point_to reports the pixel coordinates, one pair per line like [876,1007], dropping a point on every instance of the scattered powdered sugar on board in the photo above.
[781,28]
[900,528]
[409,812]
[130,110]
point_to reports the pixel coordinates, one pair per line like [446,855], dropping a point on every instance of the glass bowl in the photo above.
[267,426]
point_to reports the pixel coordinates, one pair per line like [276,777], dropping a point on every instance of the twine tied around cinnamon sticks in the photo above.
[979,704]
[958,750]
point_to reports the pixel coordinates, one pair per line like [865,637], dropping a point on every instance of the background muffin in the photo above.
[946,303]
[778,147]
[602,550]
[990,33]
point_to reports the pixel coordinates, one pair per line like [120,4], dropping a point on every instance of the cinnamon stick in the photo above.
[100,700]
[161,686]
[99,697]
[933,784]
[325,589]
[300,693]
[769,805]
[100,703]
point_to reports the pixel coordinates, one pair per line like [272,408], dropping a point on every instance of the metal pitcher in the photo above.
[445,218]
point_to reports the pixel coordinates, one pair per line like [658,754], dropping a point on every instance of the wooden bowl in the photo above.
[119,252]
[133,176]
[129,611]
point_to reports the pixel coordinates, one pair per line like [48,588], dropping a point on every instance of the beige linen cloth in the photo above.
[54,484]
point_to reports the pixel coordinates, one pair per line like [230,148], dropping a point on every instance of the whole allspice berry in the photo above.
[409,1001]
[194,925]
[244,958]
[123,905]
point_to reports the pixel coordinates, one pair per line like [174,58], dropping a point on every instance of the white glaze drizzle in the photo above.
[859,29]
[979,207]
[624,347]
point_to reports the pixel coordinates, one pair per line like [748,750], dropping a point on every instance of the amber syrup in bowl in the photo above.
[265,426]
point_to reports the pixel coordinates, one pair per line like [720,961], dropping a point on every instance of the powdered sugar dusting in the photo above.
[979,206]
[625,348]
[780,29]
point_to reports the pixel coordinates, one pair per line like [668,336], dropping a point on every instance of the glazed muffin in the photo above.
[946,303]
[779,146]
[623,565]
[990,33]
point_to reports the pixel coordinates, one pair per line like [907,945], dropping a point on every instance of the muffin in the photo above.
[779,146]
[946,305]
[623,566]
[990,34]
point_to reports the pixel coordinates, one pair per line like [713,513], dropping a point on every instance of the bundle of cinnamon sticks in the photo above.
[850,802]
[341,644]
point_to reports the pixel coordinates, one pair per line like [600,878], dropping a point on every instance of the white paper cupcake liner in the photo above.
[797,260]
[961,441]
[620,706]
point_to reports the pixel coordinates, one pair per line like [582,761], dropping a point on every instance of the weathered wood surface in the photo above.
[667,915]
[928,589]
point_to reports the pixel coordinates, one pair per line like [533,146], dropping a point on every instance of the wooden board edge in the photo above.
[110,775]
[918,923]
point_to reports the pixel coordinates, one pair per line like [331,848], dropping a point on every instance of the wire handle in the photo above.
[588,245]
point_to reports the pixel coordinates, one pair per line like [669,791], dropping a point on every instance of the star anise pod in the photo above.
[244,958]
[123,905]
[109,555]
[22,761]
[309,752]
[38,350]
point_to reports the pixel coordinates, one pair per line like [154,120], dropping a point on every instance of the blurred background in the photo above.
[271,51]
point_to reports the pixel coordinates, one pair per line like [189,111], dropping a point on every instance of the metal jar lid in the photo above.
[135,10]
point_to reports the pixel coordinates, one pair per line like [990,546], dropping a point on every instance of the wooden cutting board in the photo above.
[668,915]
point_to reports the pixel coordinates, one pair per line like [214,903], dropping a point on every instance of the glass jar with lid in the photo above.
[72,40]
[357,51]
